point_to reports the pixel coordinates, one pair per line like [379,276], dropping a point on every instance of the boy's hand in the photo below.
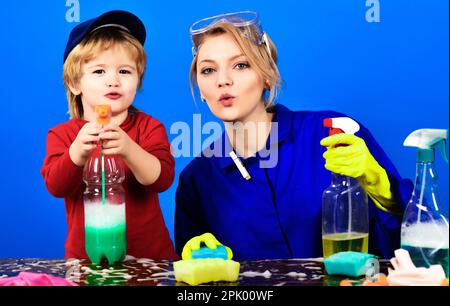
[115,140]
[86,140]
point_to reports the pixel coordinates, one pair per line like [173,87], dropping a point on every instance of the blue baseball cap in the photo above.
[123,20]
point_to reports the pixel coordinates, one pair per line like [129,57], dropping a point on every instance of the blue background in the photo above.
[391,75]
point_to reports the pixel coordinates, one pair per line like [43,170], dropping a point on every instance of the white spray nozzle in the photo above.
[425,138]
[344,124]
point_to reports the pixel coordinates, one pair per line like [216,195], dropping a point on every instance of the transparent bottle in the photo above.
[425,229]
[345,213]
[345,217]
[104,208]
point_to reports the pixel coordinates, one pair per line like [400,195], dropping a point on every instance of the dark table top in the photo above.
[147,272]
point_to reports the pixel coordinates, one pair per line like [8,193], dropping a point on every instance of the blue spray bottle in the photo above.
[425,229]
[345,214]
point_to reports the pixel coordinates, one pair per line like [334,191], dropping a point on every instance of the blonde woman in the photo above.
[258,189]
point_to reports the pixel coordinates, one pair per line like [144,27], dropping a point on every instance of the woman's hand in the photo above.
[348,155]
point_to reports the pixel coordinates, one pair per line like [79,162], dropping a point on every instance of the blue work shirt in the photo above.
[277,213]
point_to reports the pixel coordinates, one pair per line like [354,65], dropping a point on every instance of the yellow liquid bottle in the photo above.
[345,212]
[343,242]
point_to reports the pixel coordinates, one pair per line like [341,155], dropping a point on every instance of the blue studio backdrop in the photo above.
[383,62]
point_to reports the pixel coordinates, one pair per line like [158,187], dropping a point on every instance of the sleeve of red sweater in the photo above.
[61,175]
[155,142]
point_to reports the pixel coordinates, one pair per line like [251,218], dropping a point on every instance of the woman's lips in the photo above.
[113,96]
[226,101]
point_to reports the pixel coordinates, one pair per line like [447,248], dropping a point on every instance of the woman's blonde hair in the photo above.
[249,41]
[88,49]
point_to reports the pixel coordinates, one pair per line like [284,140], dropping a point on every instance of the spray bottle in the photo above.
[345,216]
[104,202]
[425,229]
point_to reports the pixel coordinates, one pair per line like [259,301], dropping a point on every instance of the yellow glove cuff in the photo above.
[375,182]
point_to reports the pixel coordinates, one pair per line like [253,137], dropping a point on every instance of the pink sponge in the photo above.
[35,279]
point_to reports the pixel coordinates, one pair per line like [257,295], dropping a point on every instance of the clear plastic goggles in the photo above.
[246,21]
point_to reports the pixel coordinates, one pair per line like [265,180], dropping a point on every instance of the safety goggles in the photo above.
[246,21]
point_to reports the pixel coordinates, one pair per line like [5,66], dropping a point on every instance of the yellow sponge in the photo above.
[205,270]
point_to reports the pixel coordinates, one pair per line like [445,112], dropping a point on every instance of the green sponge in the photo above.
[348,263]
[205,270]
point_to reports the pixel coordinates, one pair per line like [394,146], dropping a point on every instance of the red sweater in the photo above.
[147,235]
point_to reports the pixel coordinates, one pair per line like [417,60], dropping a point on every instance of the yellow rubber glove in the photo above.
[194,244]
[354,160]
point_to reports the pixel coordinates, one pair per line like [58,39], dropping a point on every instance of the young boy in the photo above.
[104,63]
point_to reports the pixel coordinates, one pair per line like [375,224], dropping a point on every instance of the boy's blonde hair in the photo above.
[88,49]
[263,63]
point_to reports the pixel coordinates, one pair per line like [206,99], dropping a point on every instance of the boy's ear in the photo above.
[74,89]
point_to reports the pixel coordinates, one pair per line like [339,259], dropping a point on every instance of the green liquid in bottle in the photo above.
[105,232]
[106,242]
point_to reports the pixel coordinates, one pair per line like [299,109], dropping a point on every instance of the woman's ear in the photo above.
[202,98]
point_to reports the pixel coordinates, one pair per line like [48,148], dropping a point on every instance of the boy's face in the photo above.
[109,78]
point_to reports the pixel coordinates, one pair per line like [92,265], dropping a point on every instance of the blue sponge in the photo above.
[349,263]
[205,252]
